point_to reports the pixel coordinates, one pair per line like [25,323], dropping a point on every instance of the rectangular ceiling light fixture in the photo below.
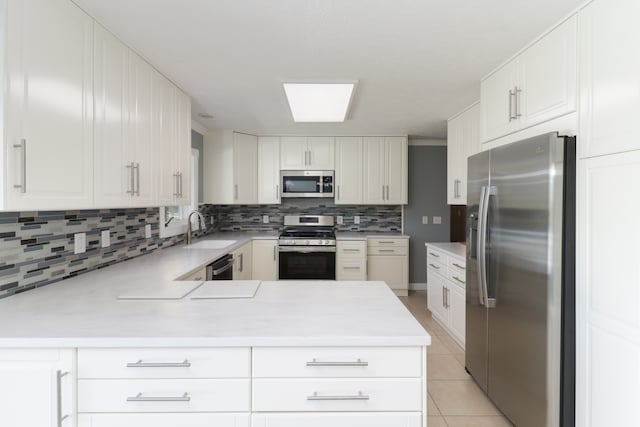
[319,102]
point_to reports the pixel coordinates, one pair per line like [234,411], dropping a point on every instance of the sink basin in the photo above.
[210,244]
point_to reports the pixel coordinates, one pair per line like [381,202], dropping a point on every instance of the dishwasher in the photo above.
[221,269]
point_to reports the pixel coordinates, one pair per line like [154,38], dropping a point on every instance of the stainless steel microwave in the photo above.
[306,183]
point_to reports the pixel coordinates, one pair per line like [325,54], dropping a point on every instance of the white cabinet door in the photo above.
[33,383]
[163,129]
[164,420]
[497,109]
[49,117]
[548,80]
[454,153]
[268,170]
[242,262]
[348,170]
[609,44]
[265,260]
[113,154]
[245,166]
[390,269]
[321,153]
[293,152]
[436,294]
[456,306]
[337,419]
[396,170]
[374,170]
[182,142]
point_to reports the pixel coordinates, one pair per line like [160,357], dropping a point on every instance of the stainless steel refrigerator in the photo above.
[520,303]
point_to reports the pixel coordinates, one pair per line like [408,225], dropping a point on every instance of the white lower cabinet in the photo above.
[37,388]
[351,260]
[388,261]
[242,263]
[337,419]
[264,260]
[164,420]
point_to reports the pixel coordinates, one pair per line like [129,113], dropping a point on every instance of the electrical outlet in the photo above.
[437,220]
[265,219]
[79,243]
[147,231]
[356,219]
[105,238]
[425,220]
[339,219]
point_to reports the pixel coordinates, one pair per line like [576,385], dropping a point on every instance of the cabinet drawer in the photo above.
[436,255]
[352,249]
[334,362]
[388,242]
[456,264]
[323,419]
[192,395]
[164,363]
[434,265]
[352,269]
[330,394]
[163,420]
[457,277]
[390,250]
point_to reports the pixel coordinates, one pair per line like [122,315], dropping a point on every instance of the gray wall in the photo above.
[197,141]
[427,197]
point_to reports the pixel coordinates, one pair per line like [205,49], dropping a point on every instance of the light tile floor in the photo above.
[454,399]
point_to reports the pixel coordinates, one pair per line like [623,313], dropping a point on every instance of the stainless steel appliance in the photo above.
[306,183]
[520,303]
[307,248]
[221,269]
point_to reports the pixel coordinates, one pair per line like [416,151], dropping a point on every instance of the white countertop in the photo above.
[346,235]
[456,249]
[84,311]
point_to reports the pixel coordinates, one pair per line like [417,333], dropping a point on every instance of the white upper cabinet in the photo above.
[182,143]
[385,170]
[396,170]
[463,140]
[49,106]
[245,165]
[537,85]
[374,166]
[268,170]
[349,174]
[307,153]
[608,38]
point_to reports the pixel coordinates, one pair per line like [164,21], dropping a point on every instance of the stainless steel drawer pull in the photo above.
[435,255]
[458,279]
[386,242]
[140,398]
[60,417]
[351,250]
[141,364]
[386,250]
[458,265]
[358,396]
[351,268]
[435,266]
[358,362]
[23,179]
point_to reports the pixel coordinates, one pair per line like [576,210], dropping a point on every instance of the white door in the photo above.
[608,40]
[268,170]
[454,152]
[265,260]
[163,130]
[457,306]
[374,171]
[182,118]
[396,170]
[49,134]
[436,295]
[293,153]
[140,133]
[497,116]
[245,153]
[321,153]
[113,155]
[348,171]
[32,382]
[548,76]
[389,269]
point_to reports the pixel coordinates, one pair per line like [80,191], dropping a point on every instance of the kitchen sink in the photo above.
[210,244]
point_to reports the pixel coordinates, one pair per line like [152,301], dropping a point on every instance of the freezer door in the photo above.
[476,312]
[524,264]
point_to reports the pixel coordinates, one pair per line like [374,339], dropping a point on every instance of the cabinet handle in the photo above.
[275,251]
[458,265]
[435,266]
[444,301]
[447,294]
[141,364]
[435,255]
[309,157]
[132,184]
[60,418]
[517,93]
[458,279]
[350,250]
[386,242]
[277,192]
[235,192]
[241,269]
[358,396]
[175,183]
[387,192]
[511,116]
[386,250]
[351,268]
[383,192]
[338,192]
[137,168]
[140,398]
[358,362]
[23,179]
[180,175]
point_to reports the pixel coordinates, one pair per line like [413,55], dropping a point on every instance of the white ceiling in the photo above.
[417,62]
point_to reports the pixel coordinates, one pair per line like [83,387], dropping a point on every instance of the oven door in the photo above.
[306,183]
[307,262]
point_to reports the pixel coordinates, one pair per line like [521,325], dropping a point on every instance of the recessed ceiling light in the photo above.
[205,116]
[319,102]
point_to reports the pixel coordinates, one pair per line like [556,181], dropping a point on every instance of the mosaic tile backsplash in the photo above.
[36,248]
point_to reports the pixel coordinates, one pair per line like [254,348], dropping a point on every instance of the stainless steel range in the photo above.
[307,247]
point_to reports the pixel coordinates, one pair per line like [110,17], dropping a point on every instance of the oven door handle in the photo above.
[306,249]
[222,269]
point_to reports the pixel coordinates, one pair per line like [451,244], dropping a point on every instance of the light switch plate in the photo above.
[356,219]
[265,219]
[437,220]
[339,219]
[79,243]
[147,231]
[105,238]
[425,220]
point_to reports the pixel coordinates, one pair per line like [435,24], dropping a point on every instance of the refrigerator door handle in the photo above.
[480,245]
[482,242]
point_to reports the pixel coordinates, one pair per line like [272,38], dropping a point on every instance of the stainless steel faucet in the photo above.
[200,220]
